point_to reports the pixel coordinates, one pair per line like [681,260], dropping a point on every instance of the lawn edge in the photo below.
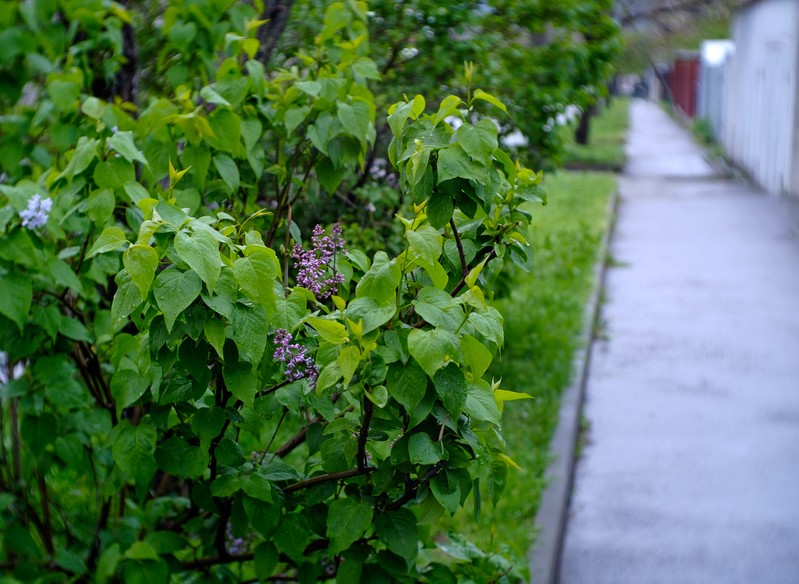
[544,557]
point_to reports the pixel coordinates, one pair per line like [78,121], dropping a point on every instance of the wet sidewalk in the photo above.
[690,471]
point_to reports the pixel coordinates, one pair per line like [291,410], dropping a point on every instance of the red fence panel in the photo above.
[684,82]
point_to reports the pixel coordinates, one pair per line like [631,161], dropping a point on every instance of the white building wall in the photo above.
[761,120]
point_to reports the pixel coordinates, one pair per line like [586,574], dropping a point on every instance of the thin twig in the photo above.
[459,244]
[368,409]
[274,435]
[333,476]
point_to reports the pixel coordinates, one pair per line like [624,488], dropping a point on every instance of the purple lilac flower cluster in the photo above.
[237,546]
[36,213]
[316,266]
[299,364]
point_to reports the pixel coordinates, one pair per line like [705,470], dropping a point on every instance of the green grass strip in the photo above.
[544,315]
[606,139]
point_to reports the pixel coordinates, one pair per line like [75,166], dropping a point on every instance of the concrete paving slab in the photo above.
[690,473]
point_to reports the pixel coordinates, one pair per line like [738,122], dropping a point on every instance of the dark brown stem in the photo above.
[368,409]
[274,435]
[502,575]
[274,388]
[15,442]
[459,286]
[47,522]
[277,13]
[83,249]
[94,552]
[459,244]
[333,476]
[221,528]
[223,559]
[300,437]
[287,252]
[411,493]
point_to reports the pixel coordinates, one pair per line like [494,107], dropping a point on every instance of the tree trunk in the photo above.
[277,12]
[581,134]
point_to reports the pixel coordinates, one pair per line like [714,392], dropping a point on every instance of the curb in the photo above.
[544,558]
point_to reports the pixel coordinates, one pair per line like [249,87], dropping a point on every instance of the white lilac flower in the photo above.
[36,213]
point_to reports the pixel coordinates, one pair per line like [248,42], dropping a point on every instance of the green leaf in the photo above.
[292,536]
[63,275]
[454,162]
[140,550]
[433,349]
[15,300]
[114,173]
[107,564]
[263,516]
[397,529]
[69,561]
[133,450]
[215,333]
[110,239]
[181,459]
[407,383]
[447,491]
[73,329]
[481,405]
[489,324]
[348,361]
[228,170]
[296,115]
[126,298]
[146,572]
[369,313]
[479,141]
[355,119]
[207,423]
[127,386]
[381,281]
[366,68]
[85,152]
[201,251]
[226,127]
[440,209]
[101,205]
[211,96]
[256,275]
[174,292]
[449,107]
[251,131]
[181,34]
[480,94]
[329,175]
[311,88]
[347,520]
[450,384]
[122,142]
[266,558]
[250,329]
[475,355]
[242,381]
[440,309]
[141,262]
[323,130]
[422,450]
[426,243]
[330,330]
